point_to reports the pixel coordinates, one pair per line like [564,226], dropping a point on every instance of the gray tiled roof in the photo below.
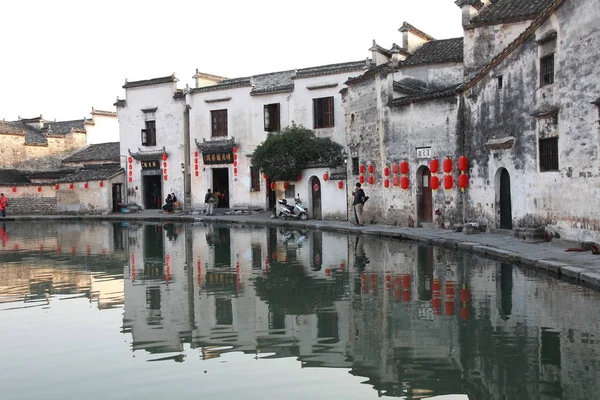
[93,173]
[148,155]
[64,127]
[332,69]
[447,92]
[272,83]
[502,11]
[373,71]
[147,82]
[32,135]
[96,152]
[226,84]
[410,86]
[57,174]
[215,146]
[437,51]
[9,176]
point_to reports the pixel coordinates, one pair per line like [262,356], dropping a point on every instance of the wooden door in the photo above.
[424,200]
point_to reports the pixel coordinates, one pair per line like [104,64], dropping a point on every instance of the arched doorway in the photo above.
[315,185]
[424,200]
[503,199]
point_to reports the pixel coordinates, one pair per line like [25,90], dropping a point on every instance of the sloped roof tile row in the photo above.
[504,11]
[96,152]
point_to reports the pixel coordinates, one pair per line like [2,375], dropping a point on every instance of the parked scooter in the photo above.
[297,211]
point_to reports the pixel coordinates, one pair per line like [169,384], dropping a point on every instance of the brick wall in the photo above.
[31,205]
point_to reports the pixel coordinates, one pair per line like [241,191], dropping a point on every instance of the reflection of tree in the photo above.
[290,291]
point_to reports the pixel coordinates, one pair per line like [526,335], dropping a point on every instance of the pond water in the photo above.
[125,310]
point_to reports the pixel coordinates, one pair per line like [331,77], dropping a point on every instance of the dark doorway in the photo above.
[505,206]
[116,197]
[425,272]
[424,201]
[504,290]
[221,186]
[316,251]
[315,185]
[152,192]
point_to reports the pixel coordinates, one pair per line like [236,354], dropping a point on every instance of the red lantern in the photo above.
[371,180]
[386,171]
[195,154]
[196,173]
[265,175]
[340,185]
[386,183]
[14,189]
[56,186]
[463,181]
[164,164]
[70,186]
[325,176]
[130,159]
[165,171]
[361,169]
[166,178]
[195,161]
[434,166]
[235,171]
[404,167]
[463,163]
[395,168]
[196,167]
[395,181]
[371,168]
[235,156]
[361,179]
[130,180]
[39,188]
[404,183]
[448,182]
[101,184]
[435,182]
[164,156]
[448,165]
[234,149]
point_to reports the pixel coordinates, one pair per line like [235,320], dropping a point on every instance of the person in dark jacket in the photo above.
[358,204]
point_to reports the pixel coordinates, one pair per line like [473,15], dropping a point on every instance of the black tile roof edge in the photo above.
[148,82]
[108,174]
[380,69]
[407,88]
[406,27]
[409,63]
[438,94]
[275,89]
[206,144]
[530,30]
[211,77]
[120,103]
[338,176]
[143,155]
[596,102]
[330,69]
[241,82]
[103,113]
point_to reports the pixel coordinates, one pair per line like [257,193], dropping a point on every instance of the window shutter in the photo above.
[267,118]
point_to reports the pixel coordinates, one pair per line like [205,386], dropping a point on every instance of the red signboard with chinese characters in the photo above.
[218,158]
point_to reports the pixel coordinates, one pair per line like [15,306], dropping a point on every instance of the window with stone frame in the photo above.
[548,142]
[290,192]
[271,115]
[219,123]
[546,52]
[323,112]
[149,134]
[355,166]
[255,179]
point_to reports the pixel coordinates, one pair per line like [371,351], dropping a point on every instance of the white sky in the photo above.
[59,58]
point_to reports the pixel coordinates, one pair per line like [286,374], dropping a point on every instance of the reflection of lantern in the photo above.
[434,165]
[436,304]
[340,185]
[435,182]
[164,156]
[404,182]
[448,165]
[361,169]
[371,180]
[464,295]
[463,163]
[395,181]
[395,168]
[404,167]
[371,168]
[39,188]
[386,171]
[448,182]
[463,181]
[386,183]
[361,179]
[449,308]
[325,176]
[464,312]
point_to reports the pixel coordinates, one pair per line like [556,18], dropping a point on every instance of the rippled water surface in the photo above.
[150,311]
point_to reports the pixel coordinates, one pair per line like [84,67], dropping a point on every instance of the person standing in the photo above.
[358,204]
[210,199]
[3,204]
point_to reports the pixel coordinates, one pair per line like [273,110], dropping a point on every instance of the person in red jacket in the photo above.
[3,204]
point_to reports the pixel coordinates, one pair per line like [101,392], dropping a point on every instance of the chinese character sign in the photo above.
[423,152]
[218,158]
[154,164]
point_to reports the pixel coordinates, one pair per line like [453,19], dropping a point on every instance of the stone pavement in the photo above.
[579,267]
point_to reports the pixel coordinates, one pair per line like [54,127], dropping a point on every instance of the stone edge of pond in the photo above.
[581,275]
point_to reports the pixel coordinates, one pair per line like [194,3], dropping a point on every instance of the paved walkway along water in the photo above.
[579,267]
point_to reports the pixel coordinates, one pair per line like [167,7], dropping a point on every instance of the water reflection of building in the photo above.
[45,259]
